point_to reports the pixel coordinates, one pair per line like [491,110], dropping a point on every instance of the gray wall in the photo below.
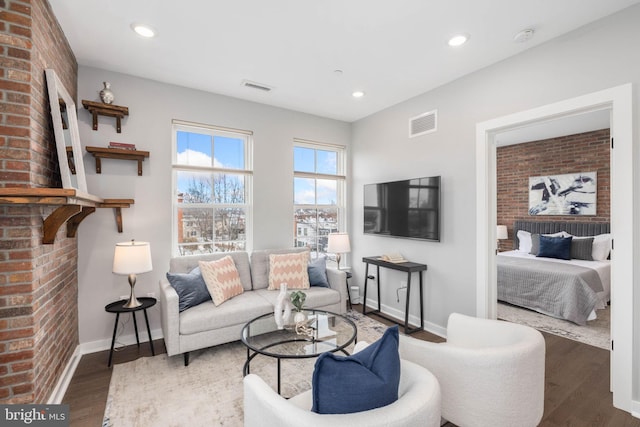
[152,106]
[599,56]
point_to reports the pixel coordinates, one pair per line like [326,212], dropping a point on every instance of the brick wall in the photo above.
[584,152]
[38,283]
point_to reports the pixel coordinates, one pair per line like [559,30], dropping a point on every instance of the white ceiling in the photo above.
[390,50]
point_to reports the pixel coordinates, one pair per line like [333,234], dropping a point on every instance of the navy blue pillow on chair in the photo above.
[366,380]
[317,270]
[555,247]
[190,287]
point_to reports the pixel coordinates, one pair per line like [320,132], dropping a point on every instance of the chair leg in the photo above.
[186,358]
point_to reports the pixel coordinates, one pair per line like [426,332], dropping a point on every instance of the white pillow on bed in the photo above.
[524,237]
[601,247]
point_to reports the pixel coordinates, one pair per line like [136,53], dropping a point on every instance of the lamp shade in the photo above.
[501,232]
[132,258]
[339,243]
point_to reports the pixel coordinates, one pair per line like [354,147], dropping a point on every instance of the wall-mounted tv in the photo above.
[409,208]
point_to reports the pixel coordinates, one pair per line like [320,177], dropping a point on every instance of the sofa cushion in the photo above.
[222,279]
[317,297]
[317,270]
[190,288]
[260,265]
[366,380]
[290,269]
[241,259]
[237,311]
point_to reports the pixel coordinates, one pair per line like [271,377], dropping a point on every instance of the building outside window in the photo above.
[212,181]
[319,193]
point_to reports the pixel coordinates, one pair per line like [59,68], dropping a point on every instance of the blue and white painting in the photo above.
[569,194]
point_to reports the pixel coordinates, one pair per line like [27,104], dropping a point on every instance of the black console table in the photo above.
[409,268]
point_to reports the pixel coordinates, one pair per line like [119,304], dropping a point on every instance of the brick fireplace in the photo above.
[38,283]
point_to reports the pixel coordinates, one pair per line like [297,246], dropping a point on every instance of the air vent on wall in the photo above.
[254,85]
[423,124]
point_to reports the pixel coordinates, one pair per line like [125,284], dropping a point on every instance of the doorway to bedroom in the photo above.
[619,102]
[573,152]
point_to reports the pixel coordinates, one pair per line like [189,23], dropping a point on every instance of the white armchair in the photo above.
[491,373]
[418,404]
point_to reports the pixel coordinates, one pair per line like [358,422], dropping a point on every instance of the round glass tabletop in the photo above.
[323,331]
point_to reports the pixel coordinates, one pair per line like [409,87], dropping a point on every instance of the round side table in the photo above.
[118,307]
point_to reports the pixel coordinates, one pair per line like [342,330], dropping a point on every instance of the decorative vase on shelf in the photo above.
[282,309]
[106,95]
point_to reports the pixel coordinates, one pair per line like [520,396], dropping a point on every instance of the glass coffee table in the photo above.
[323,331]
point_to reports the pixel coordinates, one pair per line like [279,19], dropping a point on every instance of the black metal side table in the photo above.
[118,307]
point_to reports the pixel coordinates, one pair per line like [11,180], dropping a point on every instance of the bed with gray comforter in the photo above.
[562,290]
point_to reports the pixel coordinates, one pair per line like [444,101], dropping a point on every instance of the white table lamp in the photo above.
[131,258]
[339,244]
[501,234]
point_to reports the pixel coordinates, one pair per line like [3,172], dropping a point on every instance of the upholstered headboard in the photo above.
[548,227]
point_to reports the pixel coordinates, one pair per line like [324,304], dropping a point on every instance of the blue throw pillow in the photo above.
[366,380]
[555,247]
[317,270]
[191,288]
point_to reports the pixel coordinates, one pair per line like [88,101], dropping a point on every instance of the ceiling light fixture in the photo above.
[458,40]
[524,36]
[358,94]
[143,30]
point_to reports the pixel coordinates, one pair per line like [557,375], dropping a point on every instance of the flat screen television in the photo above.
[409,208]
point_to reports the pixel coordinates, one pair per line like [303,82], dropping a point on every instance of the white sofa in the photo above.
[206,325]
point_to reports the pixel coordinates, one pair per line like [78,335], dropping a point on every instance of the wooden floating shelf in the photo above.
[73,207]
[99,109]
[117,153]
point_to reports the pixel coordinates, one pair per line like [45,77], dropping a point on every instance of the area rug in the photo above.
[596,332]
[161,391]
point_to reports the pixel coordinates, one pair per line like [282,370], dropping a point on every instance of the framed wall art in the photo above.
[568,194]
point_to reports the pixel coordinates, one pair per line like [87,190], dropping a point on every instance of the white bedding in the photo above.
[603,268]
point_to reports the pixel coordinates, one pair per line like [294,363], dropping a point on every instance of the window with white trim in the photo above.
[212,179]
[319,197]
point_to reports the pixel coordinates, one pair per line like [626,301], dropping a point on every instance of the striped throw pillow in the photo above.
[290,269]
[222,279]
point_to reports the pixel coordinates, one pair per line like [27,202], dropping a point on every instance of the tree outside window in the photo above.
[212,177]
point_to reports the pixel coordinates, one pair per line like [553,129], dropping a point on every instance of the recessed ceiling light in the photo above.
[524,36]
[143,30]
[458,40]
[358,94]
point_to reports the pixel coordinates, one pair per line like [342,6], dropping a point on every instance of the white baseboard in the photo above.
[63,383]
[122,340]
[413,319]
[635,408]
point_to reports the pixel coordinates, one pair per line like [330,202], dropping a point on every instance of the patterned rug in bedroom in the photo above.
[161,391]
[596,332]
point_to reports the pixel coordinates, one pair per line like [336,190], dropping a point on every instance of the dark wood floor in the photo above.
[576,393]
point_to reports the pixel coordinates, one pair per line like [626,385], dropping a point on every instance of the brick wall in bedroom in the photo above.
[38,283]
[584,152]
